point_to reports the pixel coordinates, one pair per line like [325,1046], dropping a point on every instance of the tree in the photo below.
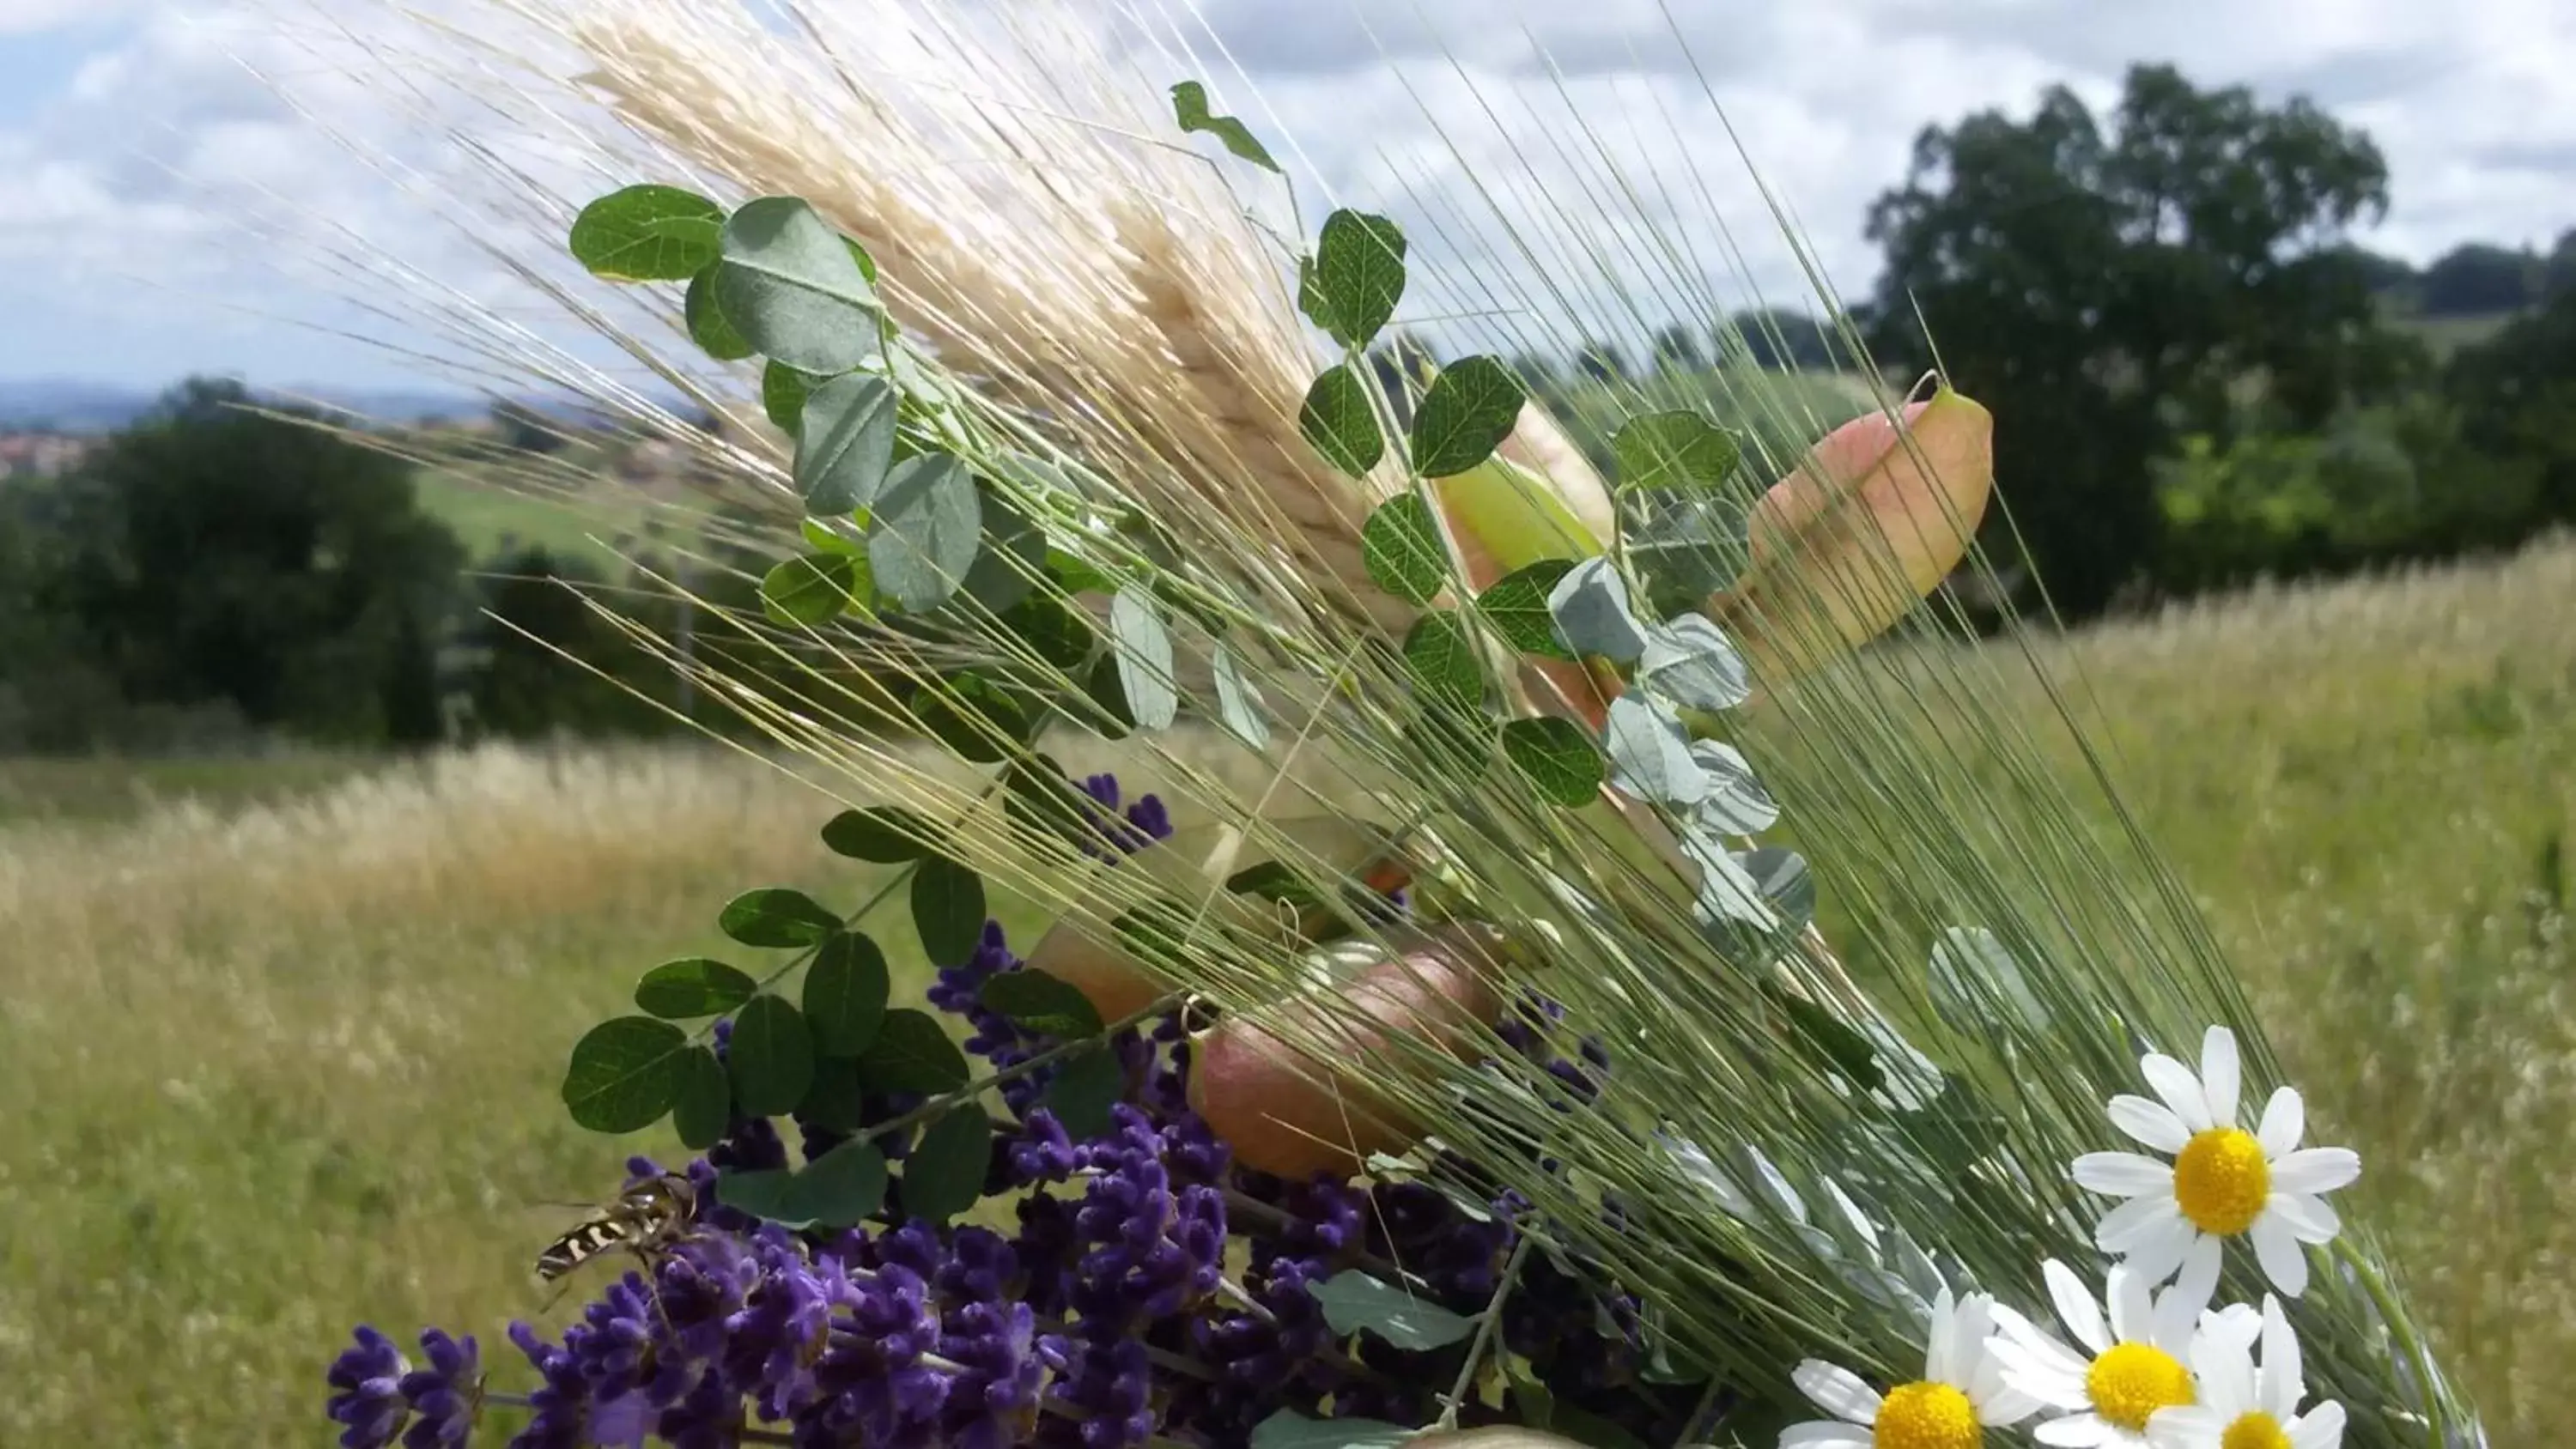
[2477,278]
[2106,289]
[1677,349]
[1778,338]
[217,555]
[2516,392]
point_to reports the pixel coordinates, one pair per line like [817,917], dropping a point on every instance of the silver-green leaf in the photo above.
[924,530]
[1144,650]
[845,444]
[1690,661]
[1736,803]
[1238,704]
[1649,751]
[1593,615]
[1354,1302]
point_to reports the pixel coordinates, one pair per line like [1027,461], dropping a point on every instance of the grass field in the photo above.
[285,1066]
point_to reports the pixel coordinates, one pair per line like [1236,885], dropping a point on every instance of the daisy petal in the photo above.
[2279,1384]
[2219,1075]
[2318,1428]
[2076,1431]
[2176,1319]
[2278,1250]
[2122,1227]
[2005,1407]
[2311,1218]
[2199,1276]
[1824,1434]
[2237,1325]
[2187,1426]
[2226,1372]
[1837,1391]
[2075,1306]
[2285,1117]
[2318,1169]
[2179,1088]
[2152,1123]
[2156,1254]
[2122,1174]
[2132,1304]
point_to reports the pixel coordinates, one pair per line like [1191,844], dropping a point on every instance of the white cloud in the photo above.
[160,146]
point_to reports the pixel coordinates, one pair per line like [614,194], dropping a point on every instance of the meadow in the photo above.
[286,1037]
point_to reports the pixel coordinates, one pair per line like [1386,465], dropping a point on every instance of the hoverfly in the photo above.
[646,1218]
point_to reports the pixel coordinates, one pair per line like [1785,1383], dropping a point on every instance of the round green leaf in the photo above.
[1084,1090]
[1558,758]
[1472,406]
[625,1073]
[845,444]
[648,234]
[944,1173]
[1400,546]
[771,1057]
[789,283]
[1288,1429]
[1190,109]
[882,834]
[836,1102]
[912,1054]
[1354,1302]
[1038,796]
[926,527]
[762,1194]
[707,325]
[975,718]
[1339,423]
[1035,1001]
[1144,650]
[783,391]
[1678,449]
[1517,607]
[1443,659]
[703,1108]
[1357,277]
[1054,632]
[840,1188]
[948,910]
[691,987]
[1012,559]
[1115,719]
[777,916]
[811,590]
[845,994]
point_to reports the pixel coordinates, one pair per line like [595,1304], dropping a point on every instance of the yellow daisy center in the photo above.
[2221,1180]
[2257,1430]
[1926,1416]
[2132,1381]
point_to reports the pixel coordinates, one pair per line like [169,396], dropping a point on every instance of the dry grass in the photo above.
[292,1066]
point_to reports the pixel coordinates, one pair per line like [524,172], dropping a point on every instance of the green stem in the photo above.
[1486,1325]
[2393,1313]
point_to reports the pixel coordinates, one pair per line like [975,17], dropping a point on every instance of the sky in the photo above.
[131,130]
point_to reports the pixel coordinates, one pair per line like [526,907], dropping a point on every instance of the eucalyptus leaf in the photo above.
[1190,110]
[948,910]
[777,916]
[1144,651]
[1238,704]
[1354,1302]
[706,322]
[1401,548]
[1339,423]
[944,1173]
[845,994]
[1736,804]
[1007,568]
[648,233]
[1782,877]
[1729,900]
[703,1106]
[1358,276]
[1037,1002]
[1560,760]
[912,1054]
[845,444]
[1679,449]
[882,834]
[1649,751]
[1592,613]
[1288,1429]
[1472,406]
[1517,605]
[624,1074]
[926,527]
[692,987]
[1974,975]
[811,590]
[1083,1090]
[1690,661]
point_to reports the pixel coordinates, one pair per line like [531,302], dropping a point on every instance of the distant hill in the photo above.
[73,406]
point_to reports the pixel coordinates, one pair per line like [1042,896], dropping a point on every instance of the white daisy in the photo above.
[2125,1370]
[2223,1182]
[2243,1407]
[1961,1394]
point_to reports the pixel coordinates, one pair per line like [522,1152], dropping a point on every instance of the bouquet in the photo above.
[1570,950]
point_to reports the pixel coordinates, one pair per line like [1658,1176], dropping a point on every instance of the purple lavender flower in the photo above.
[560,1407]
[370,1404]
[1109,1385]
[994,1403]
[447,1395]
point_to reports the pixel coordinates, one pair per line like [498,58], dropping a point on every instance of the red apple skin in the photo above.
[1284,1113]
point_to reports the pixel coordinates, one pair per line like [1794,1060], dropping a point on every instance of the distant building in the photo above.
[42,455]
